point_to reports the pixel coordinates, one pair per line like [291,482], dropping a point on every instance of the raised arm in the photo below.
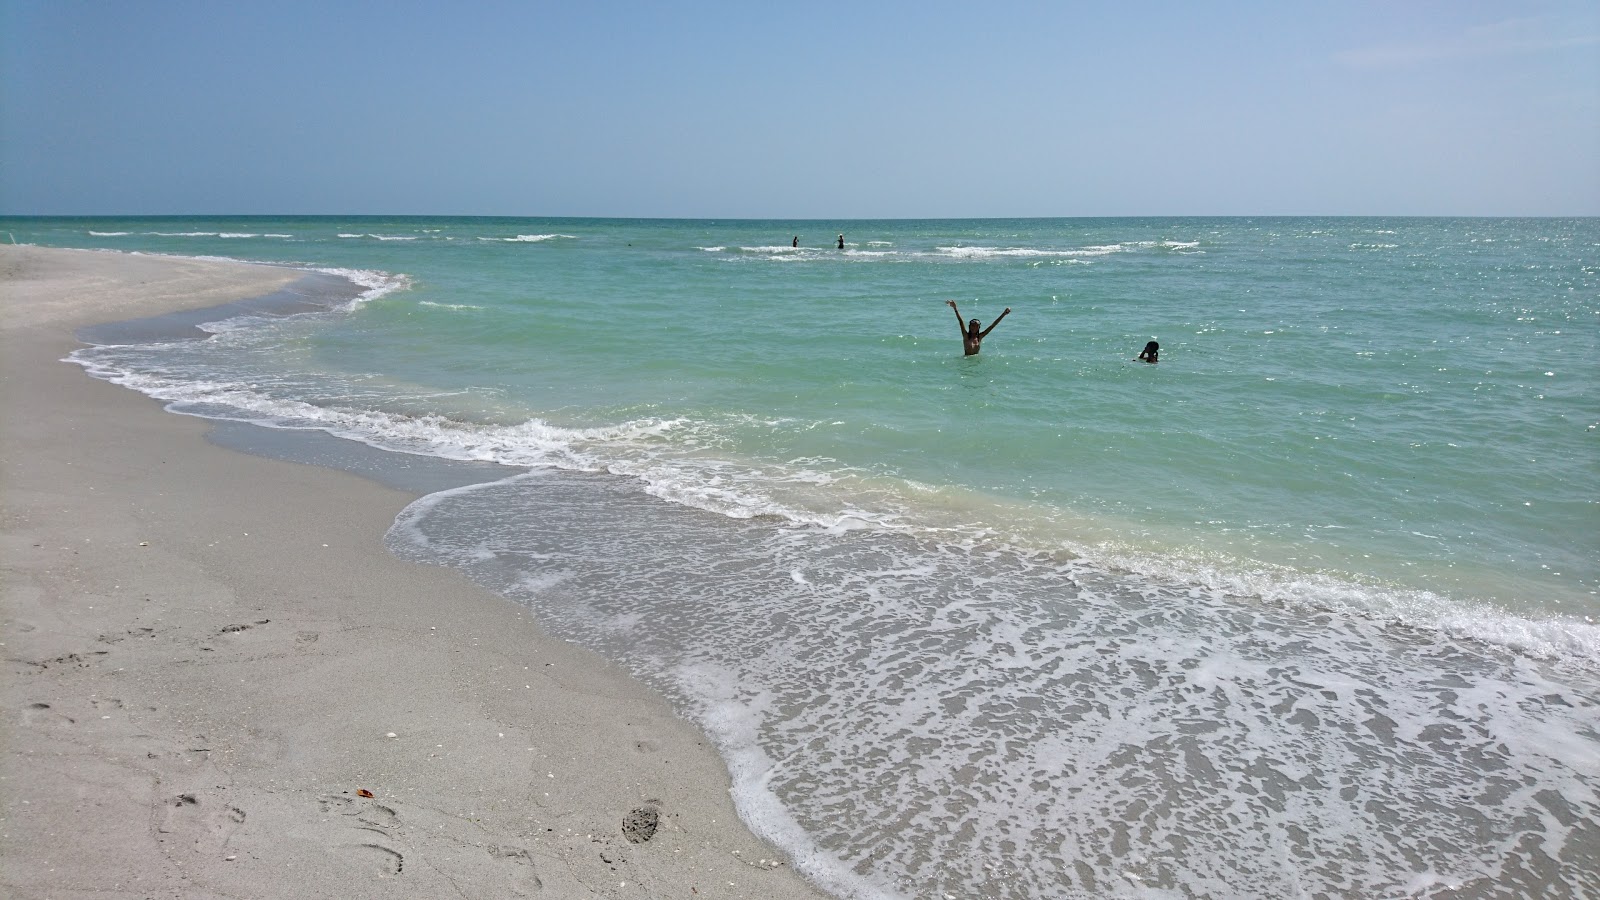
[991,324]
[960,322]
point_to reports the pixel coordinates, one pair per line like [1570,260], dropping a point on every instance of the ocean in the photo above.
[1306,609]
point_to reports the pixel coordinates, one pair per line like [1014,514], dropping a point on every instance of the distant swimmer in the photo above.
[971,335]
[841,242]
[1151,353]
[796,242]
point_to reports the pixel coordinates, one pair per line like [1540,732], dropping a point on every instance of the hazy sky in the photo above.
[828,110]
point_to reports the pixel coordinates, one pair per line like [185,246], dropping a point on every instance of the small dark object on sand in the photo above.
[640,824]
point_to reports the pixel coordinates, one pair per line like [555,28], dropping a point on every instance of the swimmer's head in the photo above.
[1152,347]
[974,325]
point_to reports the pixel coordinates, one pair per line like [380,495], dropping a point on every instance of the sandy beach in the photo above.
[218,682]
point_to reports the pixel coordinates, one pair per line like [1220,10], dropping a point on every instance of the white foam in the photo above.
[948,719]
[448,305]
[732,715]
[1027,252]
[376,284]
[110,233]
[783,250]
[539,583]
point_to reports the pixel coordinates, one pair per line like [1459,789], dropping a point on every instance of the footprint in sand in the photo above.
[387,861]
[188,820]
[372,815]
[371,818]
[379,816]
[336,803]
[72,660]
[43,714]
[109,638]
[522,861]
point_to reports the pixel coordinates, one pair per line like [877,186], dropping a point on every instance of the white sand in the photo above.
[206,652]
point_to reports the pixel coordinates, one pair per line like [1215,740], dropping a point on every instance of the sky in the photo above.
[800,110]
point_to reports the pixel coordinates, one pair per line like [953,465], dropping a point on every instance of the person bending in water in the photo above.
[971,335]
[1151,353]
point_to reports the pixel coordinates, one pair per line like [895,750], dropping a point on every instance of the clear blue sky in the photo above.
[828,110]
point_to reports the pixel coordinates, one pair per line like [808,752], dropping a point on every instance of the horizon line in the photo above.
[741,218]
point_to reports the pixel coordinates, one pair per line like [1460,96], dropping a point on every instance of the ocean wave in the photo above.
[784,252]
[1002,252]
[374,284]
[110,233]
[182,233]
[970,252]
[780,249]
[530,238]
[787,253]
[447,305]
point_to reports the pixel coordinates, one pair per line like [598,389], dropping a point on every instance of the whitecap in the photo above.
[447,305]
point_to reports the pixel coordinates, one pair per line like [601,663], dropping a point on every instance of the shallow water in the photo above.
[1305,609]
[909,716]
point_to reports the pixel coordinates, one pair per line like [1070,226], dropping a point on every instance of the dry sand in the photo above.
[209,657]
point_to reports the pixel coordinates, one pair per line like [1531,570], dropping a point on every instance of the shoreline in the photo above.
[207,652]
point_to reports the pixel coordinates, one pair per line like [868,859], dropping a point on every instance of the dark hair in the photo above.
[1152,346]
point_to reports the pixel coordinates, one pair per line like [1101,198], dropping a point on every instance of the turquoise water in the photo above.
[1302,592]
